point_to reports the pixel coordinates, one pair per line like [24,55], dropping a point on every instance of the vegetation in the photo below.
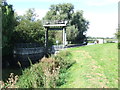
[8,25]
[26,29]
[92,69]
[83,67]
[117,34]
[77,23]
[29,30]
[71,33]
[48,73]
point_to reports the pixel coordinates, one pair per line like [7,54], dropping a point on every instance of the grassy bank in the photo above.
[48,73]
[96,67]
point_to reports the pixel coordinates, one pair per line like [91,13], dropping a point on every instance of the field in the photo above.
[96,67]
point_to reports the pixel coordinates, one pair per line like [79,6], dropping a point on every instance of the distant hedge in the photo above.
[118,45]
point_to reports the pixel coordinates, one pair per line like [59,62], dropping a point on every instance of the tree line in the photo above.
[27,29]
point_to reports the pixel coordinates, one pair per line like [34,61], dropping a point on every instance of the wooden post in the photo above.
[65,37]
[46,40]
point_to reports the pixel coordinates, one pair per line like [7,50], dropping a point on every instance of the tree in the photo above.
[81,24]
[29,30]
[8,25]
[76,20]
[60,12]
[117,34]
[71,33]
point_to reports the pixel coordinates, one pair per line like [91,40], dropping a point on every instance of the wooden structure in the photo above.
[55,25]
[23,52]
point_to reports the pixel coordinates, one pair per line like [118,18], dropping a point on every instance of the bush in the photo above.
[48,73]
[65,61]
[64,58]
[41,75]
[28,30]
[32,77]
[118,45]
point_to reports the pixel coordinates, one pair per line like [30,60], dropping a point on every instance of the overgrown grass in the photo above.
[48,73]
[96,67]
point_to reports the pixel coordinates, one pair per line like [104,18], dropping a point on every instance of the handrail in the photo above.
[51,22]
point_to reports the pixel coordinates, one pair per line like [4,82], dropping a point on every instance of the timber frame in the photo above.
[56,26]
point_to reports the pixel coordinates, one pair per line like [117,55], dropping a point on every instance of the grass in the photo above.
[96,67]
[48,73]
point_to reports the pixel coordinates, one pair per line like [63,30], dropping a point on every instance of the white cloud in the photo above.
[40,12]
[20,12]
[100,2]
[102,24]
[43,1]
[27,0]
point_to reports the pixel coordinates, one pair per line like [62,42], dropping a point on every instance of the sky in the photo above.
[102,14]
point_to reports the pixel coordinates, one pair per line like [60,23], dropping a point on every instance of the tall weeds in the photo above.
[48,73]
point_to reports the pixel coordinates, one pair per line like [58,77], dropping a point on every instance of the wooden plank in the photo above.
[54,25]
[55,29]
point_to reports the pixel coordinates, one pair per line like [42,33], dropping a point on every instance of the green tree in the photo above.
[65,11]
[60,12]
[81,24]
[71,33]
[8,24]
[29,30]
[117,34]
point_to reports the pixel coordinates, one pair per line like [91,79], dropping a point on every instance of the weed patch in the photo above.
[48,73]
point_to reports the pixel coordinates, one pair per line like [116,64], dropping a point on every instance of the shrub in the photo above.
[65,61]
[32,77]
[40,75]
[64,58]
[118,45]
[48,73]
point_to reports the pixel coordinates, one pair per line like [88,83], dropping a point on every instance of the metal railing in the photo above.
[49,22]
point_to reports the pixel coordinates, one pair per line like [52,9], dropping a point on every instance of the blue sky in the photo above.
[102,14]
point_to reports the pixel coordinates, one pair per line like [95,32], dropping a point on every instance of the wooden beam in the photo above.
[55,28]
[55,25]
[63,37]
[46,40]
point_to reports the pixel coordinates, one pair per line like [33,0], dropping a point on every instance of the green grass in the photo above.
[96,67]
